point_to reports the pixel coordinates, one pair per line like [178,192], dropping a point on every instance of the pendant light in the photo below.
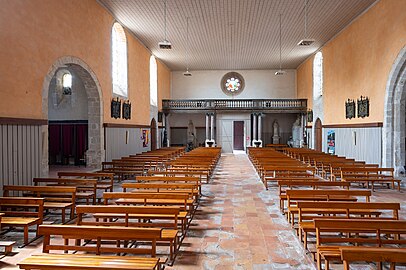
[280,71]
[166,45]
[187,73]
[306,41]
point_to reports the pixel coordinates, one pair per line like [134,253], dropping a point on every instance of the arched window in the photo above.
[119,61]
[153,81]
[318,75]
[67,80]
[67,84]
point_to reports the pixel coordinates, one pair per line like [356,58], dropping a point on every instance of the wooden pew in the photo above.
[105,181]
[8,245]
[190,188]
[85,188]
[99,233]
[87,262]
[297,182]
[332,234]
[373,254]
[370,176]
[108,215]
[170,179]
[55,197]
[308,211]
[293,196]
[149,198]
[22,212]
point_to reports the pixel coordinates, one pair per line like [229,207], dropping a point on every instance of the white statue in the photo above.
[296,132]
[275,137]
[191,134]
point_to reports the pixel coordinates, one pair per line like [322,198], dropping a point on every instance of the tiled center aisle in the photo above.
[239,226]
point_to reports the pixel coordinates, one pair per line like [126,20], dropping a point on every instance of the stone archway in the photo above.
[154,134]
[394,126]
[95,152]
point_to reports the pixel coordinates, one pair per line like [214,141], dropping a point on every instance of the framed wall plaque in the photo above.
[115,108]
[363,107]
[127,110]
[349,109]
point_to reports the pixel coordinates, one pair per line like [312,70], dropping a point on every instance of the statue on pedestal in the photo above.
[275,137]
[297,132]
[191,135]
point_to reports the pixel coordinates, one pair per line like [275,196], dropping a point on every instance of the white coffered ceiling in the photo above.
[234,34]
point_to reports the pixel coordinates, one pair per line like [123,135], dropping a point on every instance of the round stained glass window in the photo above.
[232,83]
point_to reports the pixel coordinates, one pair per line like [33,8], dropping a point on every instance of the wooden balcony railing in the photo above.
[276,105]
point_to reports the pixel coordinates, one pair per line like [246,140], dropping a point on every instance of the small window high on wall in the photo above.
[153,83]
[119,61]
[318,75]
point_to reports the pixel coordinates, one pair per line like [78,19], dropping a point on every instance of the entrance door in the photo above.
[238,135]
[318,135]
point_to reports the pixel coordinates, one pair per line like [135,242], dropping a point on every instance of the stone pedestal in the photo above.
[276,139]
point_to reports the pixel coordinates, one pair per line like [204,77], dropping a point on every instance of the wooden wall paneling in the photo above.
[10,153]
[1,154]
[14,144]
[36,145]
[20,168]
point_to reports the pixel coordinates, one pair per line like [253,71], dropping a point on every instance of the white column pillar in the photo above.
[207,127]
[259,126]
[212,127]
[255,127]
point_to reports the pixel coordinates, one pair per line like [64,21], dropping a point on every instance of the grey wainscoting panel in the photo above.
[20,154]
[363,144]
[124,142]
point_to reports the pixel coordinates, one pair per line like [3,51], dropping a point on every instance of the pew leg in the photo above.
[305,240]
[63,215]
[26,235]
[318,258]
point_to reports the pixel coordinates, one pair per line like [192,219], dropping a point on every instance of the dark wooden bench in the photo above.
[55,197]
[22,212]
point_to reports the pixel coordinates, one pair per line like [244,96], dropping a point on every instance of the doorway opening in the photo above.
[154,134]
[238,135]
[318,136]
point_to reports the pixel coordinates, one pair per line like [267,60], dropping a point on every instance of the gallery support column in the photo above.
[257,126]
[210,124]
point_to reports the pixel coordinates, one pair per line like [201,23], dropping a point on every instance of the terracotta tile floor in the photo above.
[238,225]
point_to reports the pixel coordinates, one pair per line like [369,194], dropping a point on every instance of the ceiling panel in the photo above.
[234,34]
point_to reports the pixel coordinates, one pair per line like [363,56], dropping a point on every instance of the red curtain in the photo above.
[81,140]
[67,140]
[54,139]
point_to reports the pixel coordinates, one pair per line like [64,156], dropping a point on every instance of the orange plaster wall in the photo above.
[305,81]
[34,34]
[358,61]
[164,83]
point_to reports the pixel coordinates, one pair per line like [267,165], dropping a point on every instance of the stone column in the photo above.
[255,127]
